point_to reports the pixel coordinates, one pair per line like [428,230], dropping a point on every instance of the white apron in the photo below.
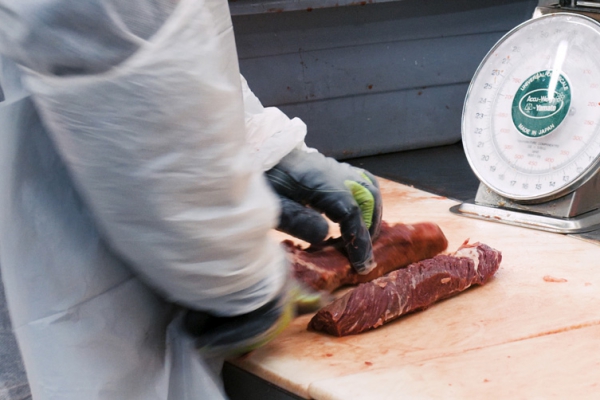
[138,191]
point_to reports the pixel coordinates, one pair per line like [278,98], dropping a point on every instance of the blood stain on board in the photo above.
[549,278]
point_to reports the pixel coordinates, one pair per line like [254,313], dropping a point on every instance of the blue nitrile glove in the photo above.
[345,194]
[237,335]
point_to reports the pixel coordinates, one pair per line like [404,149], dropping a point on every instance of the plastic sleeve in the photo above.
[156,146]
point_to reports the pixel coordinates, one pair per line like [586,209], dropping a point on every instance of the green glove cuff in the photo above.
[308,300]
[364,198]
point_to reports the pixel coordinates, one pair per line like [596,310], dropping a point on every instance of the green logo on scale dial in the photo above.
[536,109]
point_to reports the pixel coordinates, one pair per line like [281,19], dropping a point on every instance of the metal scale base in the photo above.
[577,212]
[583,223]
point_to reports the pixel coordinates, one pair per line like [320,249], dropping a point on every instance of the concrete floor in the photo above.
[13,380]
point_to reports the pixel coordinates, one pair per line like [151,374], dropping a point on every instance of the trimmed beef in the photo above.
[327,268]
[414,288]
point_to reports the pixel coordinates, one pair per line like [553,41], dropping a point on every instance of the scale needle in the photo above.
[561,54]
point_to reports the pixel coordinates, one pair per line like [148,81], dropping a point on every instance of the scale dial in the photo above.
[531,119]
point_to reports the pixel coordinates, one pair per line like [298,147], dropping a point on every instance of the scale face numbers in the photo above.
[531,119]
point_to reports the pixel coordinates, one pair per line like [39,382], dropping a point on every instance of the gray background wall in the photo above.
[376,78]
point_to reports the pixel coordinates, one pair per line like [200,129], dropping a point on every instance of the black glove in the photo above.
[346,195]
[240,334]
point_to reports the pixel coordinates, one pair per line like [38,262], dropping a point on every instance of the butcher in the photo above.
[139,178]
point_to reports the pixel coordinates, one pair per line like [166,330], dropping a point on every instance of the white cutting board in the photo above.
[517,308]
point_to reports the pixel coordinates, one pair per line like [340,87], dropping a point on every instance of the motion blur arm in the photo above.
[68,37]
[151,128]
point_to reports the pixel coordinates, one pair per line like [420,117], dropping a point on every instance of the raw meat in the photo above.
[416,287]
[327,268]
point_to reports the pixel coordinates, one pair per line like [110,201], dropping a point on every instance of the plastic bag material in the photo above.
[87,327]
[156,146]
[96,35]
[270,134]
[64,37]
[10,80]
[136,191]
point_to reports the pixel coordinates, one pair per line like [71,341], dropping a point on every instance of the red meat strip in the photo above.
[414,288]
[327,268]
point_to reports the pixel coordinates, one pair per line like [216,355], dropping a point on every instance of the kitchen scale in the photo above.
[531,123]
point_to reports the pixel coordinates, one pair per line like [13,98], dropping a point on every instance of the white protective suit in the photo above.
[129,188]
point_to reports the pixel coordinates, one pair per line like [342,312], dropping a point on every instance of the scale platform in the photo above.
[576,212]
